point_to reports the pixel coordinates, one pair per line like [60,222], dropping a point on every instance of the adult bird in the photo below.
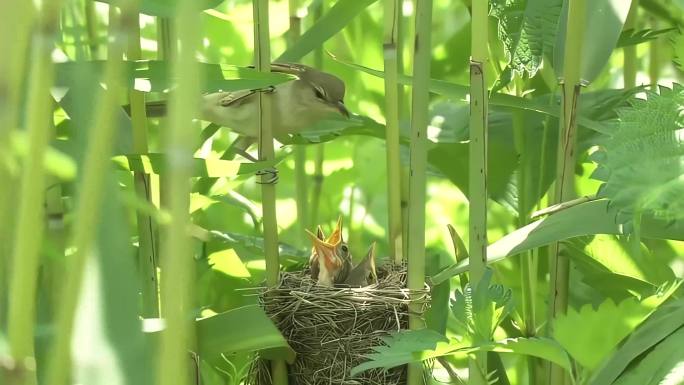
[296,105]
[330,258]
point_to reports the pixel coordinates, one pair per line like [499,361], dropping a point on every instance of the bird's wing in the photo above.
[235,99]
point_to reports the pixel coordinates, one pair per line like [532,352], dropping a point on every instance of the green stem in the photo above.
[96,161]
[262,59]
[16,20]
[630,52]
[91,27]
[418,164]
[148,258]
[320,149]
[654,55]
[301,185]
[478,164]
[177,265]
[565,170]
[392,19]
[30,224]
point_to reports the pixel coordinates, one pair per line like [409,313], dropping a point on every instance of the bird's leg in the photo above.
[272,171]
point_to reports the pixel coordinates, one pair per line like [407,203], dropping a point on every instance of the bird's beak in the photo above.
[327,251]
[336,236]
[342,109]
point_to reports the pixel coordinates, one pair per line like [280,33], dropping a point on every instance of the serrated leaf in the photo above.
[528,30]
[589,334]
[658,326]
[643,166]
[631,37]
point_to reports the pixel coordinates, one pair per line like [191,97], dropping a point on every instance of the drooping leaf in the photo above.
[642,163]
[528,30]
[245,329]
[604,18]
[594,217]
[589,335]
[156,164]
[661,366]
[658,326]
[332,22]
[168,8]
[631,37]
[154,76]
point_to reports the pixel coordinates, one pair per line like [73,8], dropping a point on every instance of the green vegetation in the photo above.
[524,159]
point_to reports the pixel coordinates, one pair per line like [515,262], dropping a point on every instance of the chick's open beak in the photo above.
[326,251]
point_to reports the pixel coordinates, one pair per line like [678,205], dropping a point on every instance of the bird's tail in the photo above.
[155,109]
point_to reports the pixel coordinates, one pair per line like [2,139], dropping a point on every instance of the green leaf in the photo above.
[343,12]
[168,8]
[589,335]
[245,329]
[460,92]
[155,76]
[603,24]
[594,217]
[658,326]
[641,164]
[528,30]
[540,347]
[156,164]
[663,365]
[402,348]
[631,37]
[55,162]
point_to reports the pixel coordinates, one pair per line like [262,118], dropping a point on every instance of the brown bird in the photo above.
[330,258]
[364,273]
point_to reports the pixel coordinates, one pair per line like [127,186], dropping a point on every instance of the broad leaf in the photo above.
[663,365]
[528,30]
[589,335]
[244,329]
[604,19]
[642,163]
[662,323]
[631,37]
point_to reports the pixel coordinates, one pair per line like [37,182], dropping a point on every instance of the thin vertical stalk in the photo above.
[90,195]
[16,20]
[565,170]
[177,265]
[320,149]
[91,28]
[479,106]
[392,19]
[30,224]
[301,185]
[630,52]
[148,258]
[262,61]
[418,165]
[654,55]
[527,276]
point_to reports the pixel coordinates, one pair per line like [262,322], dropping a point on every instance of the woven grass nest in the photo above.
[331,329]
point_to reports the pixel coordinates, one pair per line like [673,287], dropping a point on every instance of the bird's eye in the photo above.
[345,249]
[319,93]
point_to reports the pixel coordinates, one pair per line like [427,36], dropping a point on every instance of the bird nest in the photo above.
[332,329]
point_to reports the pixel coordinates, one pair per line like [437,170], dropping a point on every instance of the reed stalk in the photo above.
[148,258]
[90,196]
[30,213]
[177,265]
[320,148]
[654,55]
[395,228]
[15,22]
[478,165]
[262,61]
[301,185]
[565,169]
[630,52]
[418,165]
[91,28]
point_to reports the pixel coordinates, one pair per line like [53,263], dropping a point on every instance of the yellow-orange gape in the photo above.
[331,261]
